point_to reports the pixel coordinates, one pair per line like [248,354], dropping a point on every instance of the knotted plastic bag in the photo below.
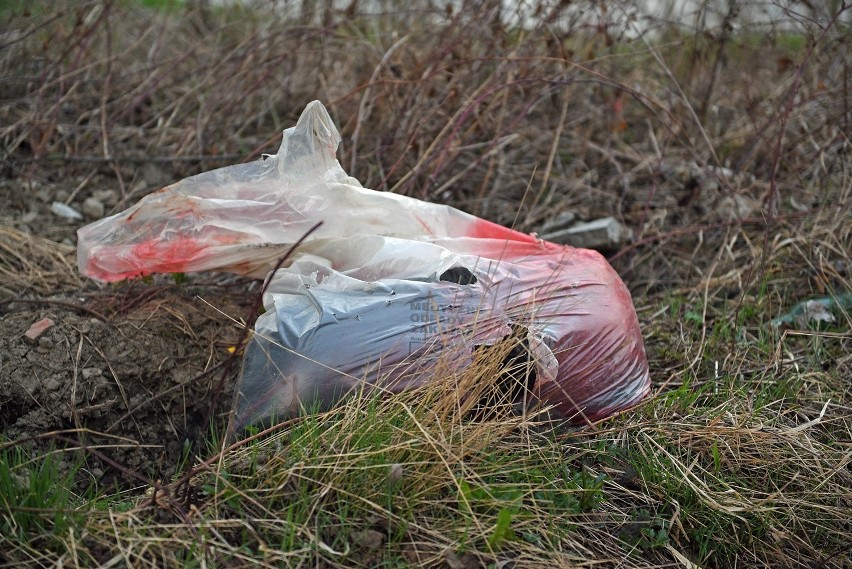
[385,288]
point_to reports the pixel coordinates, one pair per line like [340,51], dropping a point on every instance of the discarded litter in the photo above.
[66,211]
[814,312]
[385,289]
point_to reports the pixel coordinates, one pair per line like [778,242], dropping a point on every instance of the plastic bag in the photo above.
[384,289]
[242,218]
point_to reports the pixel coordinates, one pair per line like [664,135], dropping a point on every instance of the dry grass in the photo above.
[31,264]
[724,148]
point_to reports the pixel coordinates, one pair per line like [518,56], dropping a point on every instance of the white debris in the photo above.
[604,233]
[66,211]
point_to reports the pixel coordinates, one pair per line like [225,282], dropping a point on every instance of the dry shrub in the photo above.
[723,144]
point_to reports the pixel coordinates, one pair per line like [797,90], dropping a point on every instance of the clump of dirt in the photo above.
[137,373]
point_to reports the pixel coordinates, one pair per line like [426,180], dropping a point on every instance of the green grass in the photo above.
[733,464]
[37,504]
[163,4]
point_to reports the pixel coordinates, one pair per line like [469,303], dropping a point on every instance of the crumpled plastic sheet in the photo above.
[385,288]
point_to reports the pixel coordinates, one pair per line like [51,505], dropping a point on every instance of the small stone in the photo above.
[93,208]
[369,539]
[31,387]
[45,343]
[90,372]
[38,329]
[708,183]
[108,197]
[153,175]
[465,561]
[737,207]
[52,383]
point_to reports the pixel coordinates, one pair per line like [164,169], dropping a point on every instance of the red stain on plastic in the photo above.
[168,256]
[175,255]
[484,229]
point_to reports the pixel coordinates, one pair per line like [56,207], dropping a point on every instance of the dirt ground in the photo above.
[136,370]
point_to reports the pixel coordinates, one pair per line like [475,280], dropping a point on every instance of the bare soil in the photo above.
[138,370]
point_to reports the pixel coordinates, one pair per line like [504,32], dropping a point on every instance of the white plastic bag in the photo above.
[385,287]
[241,218]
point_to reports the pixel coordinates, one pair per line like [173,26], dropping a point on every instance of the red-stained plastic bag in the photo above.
[242,218]
[383,289]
